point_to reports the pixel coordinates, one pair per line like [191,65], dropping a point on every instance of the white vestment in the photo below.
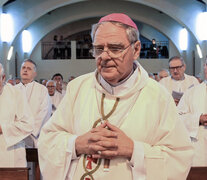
[56,99]
[16,123]
[146,113]
[179,86]
[41,107]
[191,106]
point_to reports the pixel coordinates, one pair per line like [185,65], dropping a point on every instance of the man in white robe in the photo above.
[38,99]
[193,112]
[163,73]
[105,115]
[58,78]
[178,82]
[15,124]
[55,96]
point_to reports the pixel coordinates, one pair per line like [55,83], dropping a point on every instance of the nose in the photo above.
[175,70]
[104,55]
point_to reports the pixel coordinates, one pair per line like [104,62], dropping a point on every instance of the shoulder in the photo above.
[81,80]
[40,86]
[13,90]
[195,89]
[190,77]
[157,90]
[166,79]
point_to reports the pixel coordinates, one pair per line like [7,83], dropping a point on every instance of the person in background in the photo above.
[44,82]
[104,129]
[55,96]
[153,49]
[151,75]
[193,112]
[11,81]
[178,82]
[163,73]
[16,123]
[37,97]
[198,77]
[17,80]
[58,78]
[156,76]
[71,78]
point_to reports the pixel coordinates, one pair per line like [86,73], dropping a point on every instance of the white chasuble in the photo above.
[191,106]
[146,113]
[40,105]
[16,121]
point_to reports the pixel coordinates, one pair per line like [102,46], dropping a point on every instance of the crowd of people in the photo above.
[113,123]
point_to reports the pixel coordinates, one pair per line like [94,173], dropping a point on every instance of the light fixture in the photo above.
[199,51]
[10,53]
[183,39]
[201,26]
[6,27]
[26,41]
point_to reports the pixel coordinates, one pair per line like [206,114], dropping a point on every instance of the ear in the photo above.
[35,74]
[184,66]
[4,78]
[137,48]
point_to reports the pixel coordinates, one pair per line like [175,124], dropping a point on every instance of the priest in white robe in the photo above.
[38,99]
[109,125]
[178,82]
[193,112]
[55,96]
[15,124]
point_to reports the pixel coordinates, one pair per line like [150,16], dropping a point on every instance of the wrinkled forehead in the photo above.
[28,64]
[176,61]
[163,73]
[111,33]
[51,83]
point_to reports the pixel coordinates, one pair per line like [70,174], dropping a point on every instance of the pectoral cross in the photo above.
[90,160]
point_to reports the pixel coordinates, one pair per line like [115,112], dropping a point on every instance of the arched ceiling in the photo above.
[42,16]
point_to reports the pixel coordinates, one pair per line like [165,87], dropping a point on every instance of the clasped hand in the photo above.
[105,141]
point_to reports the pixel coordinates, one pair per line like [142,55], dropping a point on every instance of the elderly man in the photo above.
[163,73]
[38,99]
[104,128]
[15,124]
[55,96]
[193,111]
[178,82]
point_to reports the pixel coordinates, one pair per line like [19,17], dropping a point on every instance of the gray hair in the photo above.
[1,70]
[31,61]
[166,70]
[177,57]
[51,81]
[132,33]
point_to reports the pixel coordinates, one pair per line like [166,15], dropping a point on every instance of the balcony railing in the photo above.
[77,50]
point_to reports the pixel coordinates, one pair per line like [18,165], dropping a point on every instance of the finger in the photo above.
[95,148]
[112,127]
[106,154]
[104,132]
[109,143]
[98,128]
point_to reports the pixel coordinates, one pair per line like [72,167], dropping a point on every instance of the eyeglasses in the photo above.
[50,86]
[114,51]
[176,67]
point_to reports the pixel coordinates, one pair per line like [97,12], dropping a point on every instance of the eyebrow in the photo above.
[110,44]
